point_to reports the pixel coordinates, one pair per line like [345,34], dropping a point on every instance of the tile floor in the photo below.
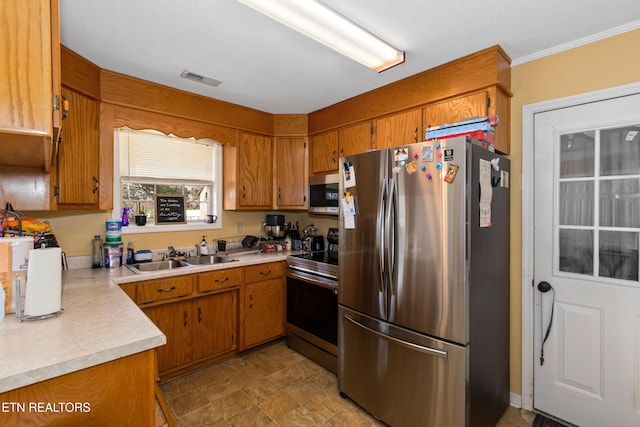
[273,386]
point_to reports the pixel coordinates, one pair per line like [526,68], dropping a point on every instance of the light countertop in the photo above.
[100,323]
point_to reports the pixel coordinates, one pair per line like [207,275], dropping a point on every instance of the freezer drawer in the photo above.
[402,378]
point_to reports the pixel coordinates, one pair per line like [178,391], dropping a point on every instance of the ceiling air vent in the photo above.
[186,74]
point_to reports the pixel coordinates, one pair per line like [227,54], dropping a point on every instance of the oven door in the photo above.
[312,309]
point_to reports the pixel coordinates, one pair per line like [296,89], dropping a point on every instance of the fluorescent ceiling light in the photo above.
[324,25]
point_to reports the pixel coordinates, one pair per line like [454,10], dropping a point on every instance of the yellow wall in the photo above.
[75,229]
[600,65]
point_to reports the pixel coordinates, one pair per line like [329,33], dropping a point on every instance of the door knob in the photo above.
[544,287]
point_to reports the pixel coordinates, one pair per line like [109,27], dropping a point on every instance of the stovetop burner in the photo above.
[326,257]
[324,264]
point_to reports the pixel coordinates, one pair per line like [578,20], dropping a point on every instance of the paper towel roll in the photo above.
[44,282]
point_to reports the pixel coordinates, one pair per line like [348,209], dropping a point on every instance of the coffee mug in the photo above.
[210,219]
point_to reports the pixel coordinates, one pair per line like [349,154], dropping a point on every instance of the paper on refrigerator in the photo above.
[349,211]
[486,193]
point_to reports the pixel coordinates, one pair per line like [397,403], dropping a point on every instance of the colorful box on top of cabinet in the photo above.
[14,260]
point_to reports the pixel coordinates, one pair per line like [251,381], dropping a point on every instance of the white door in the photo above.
[587,228]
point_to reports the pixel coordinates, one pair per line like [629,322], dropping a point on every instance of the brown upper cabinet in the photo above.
[354,139]
[475,85]
[291,173]
[30,83]
[454,110]
[324,153]
[78,169]
[489,102]
[248,173]
[328,147]
[399,129]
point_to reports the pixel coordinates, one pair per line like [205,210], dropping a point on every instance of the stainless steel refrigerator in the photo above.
[424,284]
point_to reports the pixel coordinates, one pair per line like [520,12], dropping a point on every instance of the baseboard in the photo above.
[515,400]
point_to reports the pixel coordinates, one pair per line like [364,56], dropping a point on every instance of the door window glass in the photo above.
[598,199]
[576,207]
[577,154]
[576,251]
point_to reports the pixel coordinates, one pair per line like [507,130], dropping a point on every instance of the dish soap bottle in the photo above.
[130,252]
[204,249]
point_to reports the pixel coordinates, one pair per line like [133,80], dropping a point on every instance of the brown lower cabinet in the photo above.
[263,312]
[211,316]
[196,329]
[174,320]
[115,393]
[215,324]
[263,303]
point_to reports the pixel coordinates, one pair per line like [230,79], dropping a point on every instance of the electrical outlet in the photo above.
[238,228]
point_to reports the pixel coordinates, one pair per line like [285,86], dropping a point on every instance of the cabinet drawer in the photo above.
[219,279]
[161,289]
[255,273]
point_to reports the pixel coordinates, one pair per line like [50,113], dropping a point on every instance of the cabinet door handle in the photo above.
[244,192]
[415,135]
[279,195]
[250,300]
[185,318]
[199,314]
[166,289]
[221,280]
[96,184]
[262,273]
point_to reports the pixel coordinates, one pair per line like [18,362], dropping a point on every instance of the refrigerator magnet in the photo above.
[411,167]
[452,171]
[427,153]
[400,154]
[448,154]
[349,175]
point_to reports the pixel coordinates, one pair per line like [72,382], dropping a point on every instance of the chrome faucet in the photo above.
[172,252]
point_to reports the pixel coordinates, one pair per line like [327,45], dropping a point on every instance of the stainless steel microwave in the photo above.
[324,194]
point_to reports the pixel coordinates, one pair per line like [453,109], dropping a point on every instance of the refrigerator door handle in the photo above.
[389,230]
[432,351]
[381,234]
[391,235]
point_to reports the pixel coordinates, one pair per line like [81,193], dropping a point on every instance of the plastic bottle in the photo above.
[204,249]
[96,251]
[130,252]
[125,216]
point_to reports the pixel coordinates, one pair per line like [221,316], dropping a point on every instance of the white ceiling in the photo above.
[267,66]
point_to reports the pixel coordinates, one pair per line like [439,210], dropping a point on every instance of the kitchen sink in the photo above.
[209,260]
[144,267]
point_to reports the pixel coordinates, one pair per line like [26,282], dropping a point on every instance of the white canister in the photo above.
[112,255]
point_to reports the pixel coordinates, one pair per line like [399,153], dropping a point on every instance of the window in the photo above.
[150,163]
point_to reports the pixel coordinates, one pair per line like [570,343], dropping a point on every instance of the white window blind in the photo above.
[153,155]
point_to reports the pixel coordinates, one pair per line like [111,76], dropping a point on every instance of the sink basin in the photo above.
[209,260]
[144,267]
